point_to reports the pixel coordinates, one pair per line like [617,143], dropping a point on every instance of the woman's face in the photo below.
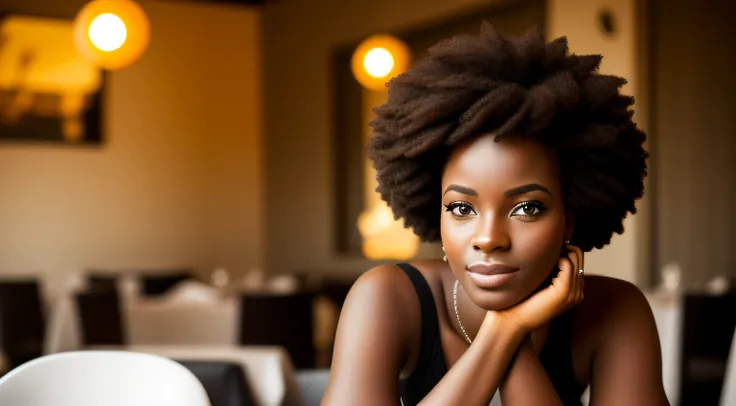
[503,221]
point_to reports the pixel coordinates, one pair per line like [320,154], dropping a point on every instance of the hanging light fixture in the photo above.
[112,34]
[379,58]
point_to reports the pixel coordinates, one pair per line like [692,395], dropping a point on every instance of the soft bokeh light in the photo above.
[379,58]
[378,62]
[107,32]
[112,34]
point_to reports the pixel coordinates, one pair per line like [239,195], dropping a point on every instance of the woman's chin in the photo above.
[496,300]
[498,292]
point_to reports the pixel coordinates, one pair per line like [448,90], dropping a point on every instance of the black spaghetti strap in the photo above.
[430,323]
[431,365]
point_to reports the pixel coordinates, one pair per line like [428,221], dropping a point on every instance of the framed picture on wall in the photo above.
[48,93]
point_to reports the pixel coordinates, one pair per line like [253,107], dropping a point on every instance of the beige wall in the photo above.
[695,170]
[178,181]
[299,35]
[628,255]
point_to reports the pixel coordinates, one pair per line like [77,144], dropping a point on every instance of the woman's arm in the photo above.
[476,376]
[527,382]
[627,365]
[372,340]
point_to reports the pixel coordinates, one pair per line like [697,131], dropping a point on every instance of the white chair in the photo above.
[268,370]
[102,378]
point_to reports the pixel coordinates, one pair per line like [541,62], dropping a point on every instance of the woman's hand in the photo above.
[565,291]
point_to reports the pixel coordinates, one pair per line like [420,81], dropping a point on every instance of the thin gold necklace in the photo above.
[457,313]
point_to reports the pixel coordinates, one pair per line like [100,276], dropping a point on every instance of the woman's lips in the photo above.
[486,275]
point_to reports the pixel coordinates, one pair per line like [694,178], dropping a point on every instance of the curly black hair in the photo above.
[510,86]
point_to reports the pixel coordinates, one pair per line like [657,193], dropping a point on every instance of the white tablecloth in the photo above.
[269,370]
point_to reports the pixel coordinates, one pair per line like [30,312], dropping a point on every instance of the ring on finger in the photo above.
[581,272]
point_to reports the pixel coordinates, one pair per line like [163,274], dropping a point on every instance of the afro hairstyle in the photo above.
[510,86]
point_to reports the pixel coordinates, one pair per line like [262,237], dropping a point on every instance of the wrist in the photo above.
[504,326]
[510,322]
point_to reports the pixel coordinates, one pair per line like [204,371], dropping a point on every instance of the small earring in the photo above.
[444,257]
[567,241]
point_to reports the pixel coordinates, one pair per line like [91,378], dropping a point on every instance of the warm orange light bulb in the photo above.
[378,62]
[112,34]
[107,32]
[379,58]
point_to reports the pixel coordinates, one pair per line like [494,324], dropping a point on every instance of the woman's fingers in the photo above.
[564,278]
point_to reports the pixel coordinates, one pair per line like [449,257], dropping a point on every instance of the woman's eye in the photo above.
[460,209]
[528,209]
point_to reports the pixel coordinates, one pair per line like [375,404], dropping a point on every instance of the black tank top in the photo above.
[431,367]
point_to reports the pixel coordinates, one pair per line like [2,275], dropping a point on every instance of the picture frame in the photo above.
[48,93]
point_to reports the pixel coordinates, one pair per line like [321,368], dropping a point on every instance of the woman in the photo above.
[519,158]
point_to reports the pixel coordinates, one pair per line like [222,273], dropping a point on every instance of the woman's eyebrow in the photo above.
[461,189]
[526,189]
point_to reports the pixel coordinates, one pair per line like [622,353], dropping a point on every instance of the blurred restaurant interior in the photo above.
[189,178]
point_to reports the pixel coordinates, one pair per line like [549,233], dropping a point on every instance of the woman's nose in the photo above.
[491,236]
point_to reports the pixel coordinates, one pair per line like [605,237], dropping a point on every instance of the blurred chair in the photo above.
[708,326]
[282,320]
[156,284]
[22,326]
[109,378]
[183,316]
[99,281]
[728,394]
[312,385]
[62,323]
[224,382]
[153,282]
[100,317]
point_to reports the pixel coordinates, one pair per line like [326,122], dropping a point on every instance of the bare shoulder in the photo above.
[382,290]
[605,295]
[619,346]
[374,336]
[612,306]
[386,280]
[387,286]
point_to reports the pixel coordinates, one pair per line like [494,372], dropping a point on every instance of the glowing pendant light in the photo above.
[112,34]
[379,58]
